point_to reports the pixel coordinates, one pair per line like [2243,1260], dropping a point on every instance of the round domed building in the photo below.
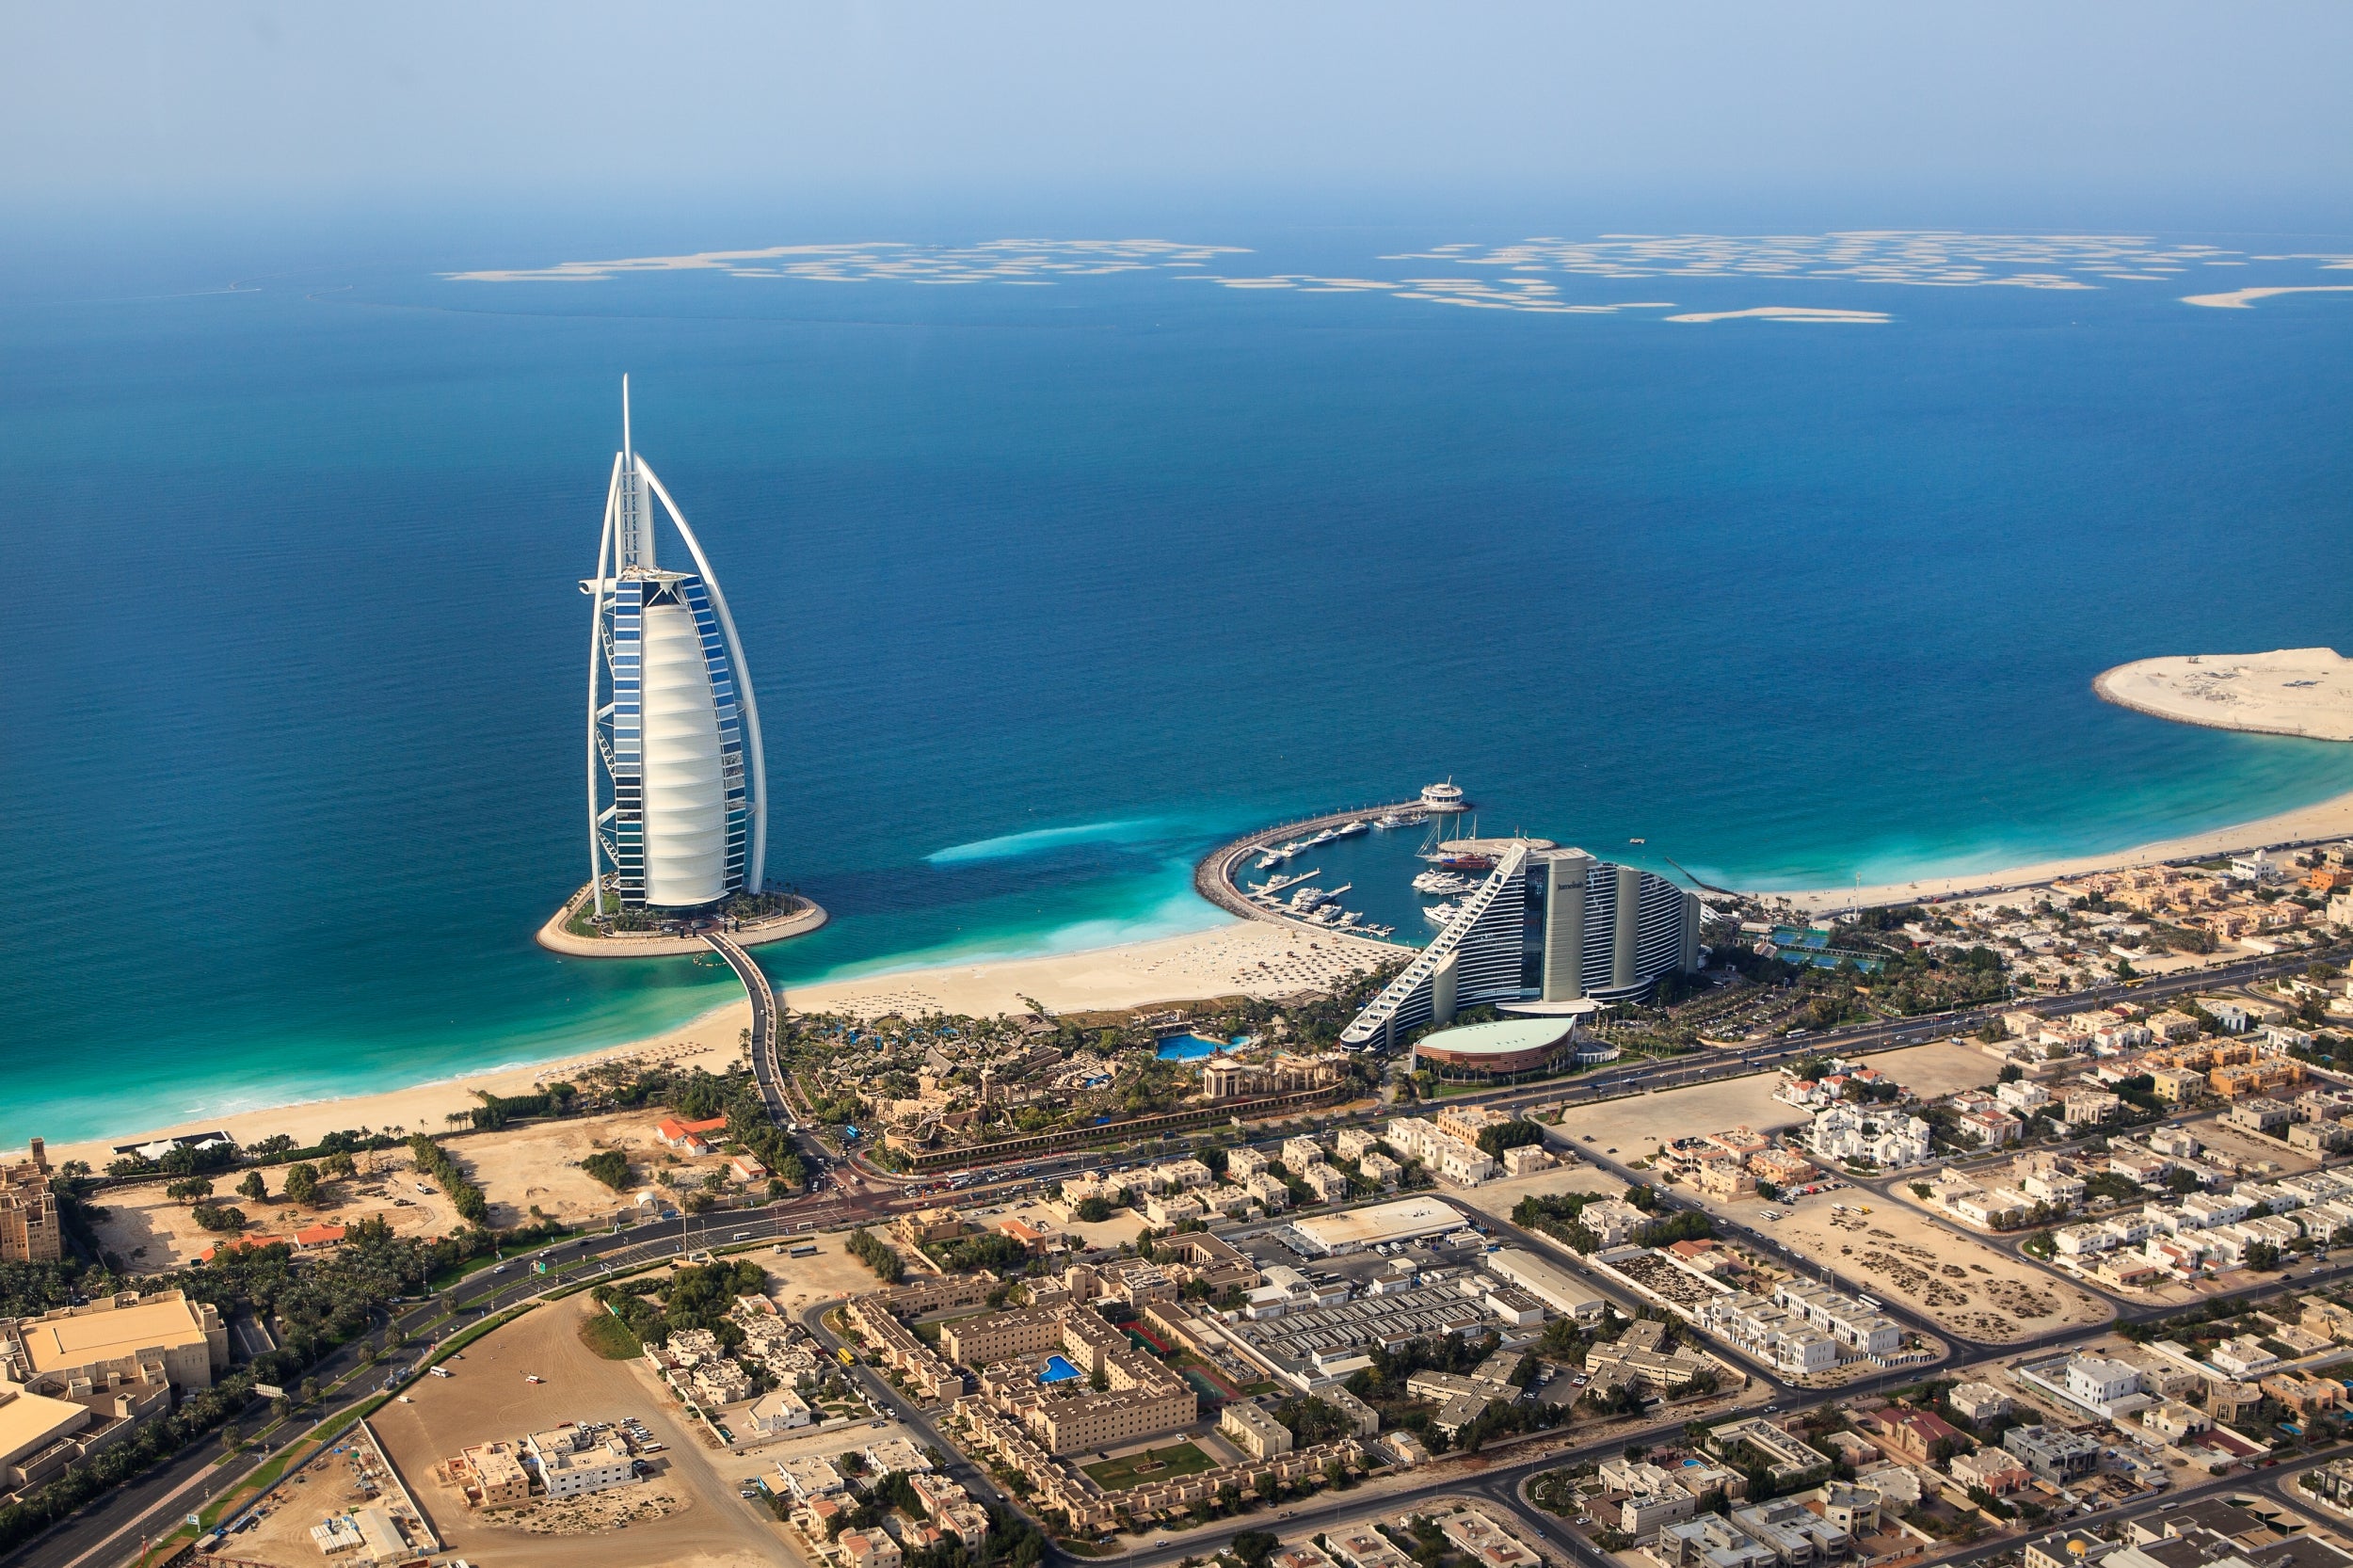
[1506,1048]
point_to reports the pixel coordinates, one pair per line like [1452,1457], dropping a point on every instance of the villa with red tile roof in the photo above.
[689,1135]
[1914,1432]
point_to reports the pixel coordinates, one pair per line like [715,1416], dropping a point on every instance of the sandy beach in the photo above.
[1244,957]
[2330,818]
[1248,957]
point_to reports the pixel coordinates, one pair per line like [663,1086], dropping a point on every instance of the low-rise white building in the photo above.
[1888,1140]
[570,1466]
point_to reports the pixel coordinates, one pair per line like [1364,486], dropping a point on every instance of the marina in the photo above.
[1292,899]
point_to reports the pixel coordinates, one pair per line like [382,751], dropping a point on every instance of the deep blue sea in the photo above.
[1057,561]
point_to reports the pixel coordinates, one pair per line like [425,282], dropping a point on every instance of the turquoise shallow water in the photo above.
[1050,581]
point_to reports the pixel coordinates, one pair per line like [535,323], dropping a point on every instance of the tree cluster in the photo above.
[434,1161]
[877,1254]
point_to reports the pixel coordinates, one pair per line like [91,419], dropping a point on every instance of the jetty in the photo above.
[1216,875]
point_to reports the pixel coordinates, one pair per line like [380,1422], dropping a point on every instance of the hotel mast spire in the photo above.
[635,544]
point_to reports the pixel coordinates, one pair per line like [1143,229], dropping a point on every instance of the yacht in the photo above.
[1442,883]
[1324,837]
[1388,820]
[1441,913]
[1350,829]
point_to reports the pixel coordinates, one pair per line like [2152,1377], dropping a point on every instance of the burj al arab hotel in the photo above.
[677,791]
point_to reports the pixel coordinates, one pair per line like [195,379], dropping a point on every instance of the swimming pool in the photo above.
[1192,1048]
[1057,1370]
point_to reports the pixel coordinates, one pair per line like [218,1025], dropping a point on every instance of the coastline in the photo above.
[1255,957]
[1239,957]
[2329,819]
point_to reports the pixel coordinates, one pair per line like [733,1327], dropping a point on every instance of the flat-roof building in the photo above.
[126,1339]
[1248,1424]
[30,1426]
[1353,1229]
[1548,1282]
[29,1210]
[572,1467]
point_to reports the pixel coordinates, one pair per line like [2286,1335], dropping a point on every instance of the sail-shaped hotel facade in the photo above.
[677,787]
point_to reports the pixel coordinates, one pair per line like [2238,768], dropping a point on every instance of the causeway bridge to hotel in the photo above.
[766,1070]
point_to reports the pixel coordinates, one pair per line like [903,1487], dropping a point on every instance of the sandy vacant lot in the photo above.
[1928,1071]
[1905,1257]
[151,1232]
[797,1281]
[2252,1150]
[489,1398]
[1638,1125]
[1499,1198]
[541,1166]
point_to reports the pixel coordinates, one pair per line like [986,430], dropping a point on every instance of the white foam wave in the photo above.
[1012,846]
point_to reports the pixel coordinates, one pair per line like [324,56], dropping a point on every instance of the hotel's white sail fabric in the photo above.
[686,812]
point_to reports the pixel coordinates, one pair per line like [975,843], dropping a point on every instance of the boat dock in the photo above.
[1217,876]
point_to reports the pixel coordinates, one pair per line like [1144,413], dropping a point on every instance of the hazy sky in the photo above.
[189,101]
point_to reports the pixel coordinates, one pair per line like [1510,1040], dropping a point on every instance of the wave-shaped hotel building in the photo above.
[678,791]
[1551,932]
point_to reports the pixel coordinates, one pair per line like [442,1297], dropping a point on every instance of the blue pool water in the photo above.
[1057,1370]
[1192,1048]
[1045,589]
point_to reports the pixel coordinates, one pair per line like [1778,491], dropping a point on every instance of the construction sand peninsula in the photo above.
[2290,691]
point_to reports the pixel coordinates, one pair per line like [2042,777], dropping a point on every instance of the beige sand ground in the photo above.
[2330,818]
[1928,1071]
[151,1232]
[1638,1125]
[2290,691]
[541,1166]
[489,1399]
[832,1273]
[1125,1224]
[712,1041]
[1977,1292]
[2257,1151]
[1498,1198]
[329,1485]
[1250,957]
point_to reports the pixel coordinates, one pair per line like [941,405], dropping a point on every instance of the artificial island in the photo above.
[2289,690]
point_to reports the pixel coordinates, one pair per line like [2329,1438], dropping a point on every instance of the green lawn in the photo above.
[1176,1460]
[610,1338]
